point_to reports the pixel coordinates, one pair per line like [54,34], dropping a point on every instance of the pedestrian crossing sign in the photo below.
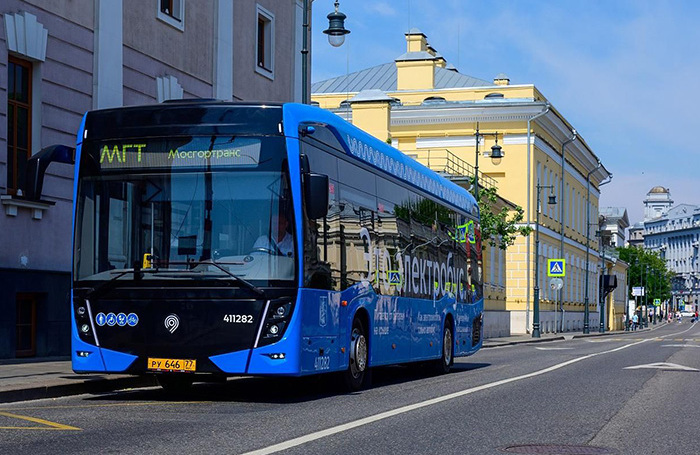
[556,267]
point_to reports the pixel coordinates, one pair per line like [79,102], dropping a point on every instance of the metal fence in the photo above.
[449,165]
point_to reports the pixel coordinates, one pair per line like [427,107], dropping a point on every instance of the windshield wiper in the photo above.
[138,272]
[107,285]
[247,284]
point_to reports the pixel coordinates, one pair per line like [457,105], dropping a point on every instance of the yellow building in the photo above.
[430,111]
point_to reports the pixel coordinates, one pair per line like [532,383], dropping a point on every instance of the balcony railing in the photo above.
[449,165]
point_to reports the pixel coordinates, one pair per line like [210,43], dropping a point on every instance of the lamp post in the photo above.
[586,328]
[601,291]
[336,32]
[656,280]
[536,302]
[496,156]
[646,301]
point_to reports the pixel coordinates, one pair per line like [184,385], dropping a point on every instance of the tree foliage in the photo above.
[500,227]
[648,269]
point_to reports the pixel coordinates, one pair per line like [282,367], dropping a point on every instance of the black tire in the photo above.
[357,374]
[175,383]
[444,363]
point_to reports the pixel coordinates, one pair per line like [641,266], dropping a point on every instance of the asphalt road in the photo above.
[634,393]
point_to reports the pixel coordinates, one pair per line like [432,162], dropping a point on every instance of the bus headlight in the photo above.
[277,317]
[85,328]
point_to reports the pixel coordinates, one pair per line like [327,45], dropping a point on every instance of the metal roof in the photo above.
[383,77]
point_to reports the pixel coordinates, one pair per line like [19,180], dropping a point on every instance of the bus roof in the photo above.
[380,155]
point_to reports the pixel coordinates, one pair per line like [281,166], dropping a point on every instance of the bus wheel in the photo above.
[175,383]
[357,371]
[443,364]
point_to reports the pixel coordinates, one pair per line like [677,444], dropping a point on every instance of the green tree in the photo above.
[500,227]
[647,268]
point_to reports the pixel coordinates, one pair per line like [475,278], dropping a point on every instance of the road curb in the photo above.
[523,341]
[88,386]
[565,336]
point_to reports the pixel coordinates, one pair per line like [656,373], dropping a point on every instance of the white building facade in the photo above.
[674,232]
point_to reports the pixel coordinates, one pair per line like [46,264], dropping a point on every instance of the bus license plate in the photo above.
[180,365]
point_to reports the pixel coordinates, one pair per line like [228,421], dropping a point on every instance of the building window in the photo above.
[172,12]
[19,115]
[265,49]
[26,326]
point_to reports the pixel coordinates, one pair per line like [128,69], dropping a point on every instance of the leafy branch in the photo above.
[500,227]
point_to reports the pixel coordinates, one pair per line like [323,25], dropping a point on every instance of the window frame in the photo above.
[13,177]
[266,67]
[176,17]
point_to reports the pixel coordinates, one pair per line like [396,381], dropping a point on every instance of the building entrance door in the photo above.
[26,326]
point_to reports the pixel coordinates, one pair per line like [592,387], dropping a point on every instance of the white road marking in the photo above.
[662,366]
[412,407]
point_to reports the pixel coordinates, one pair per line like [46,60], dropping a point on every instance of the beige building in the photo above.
[429,110]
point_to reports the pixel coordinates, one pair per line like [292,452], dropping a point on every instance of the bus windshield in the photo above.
[174,212]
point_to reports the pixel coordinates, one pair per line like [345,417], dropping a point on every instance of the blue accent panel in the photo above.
[320,313]
[232,362]
[293,154]
[261,363]
[100,360]
[76,173]
[90,364]
[116,362]
[321,355]
[390,339]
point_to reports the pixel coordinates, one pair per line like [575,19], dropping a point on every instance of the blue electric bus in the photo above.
[217,238]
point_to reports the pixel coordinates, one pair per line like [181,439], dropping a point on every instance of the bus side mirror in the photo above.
[316,195]
[37,164]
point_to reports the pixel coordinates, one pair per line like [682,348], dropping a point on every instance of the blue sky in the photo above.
[624,73]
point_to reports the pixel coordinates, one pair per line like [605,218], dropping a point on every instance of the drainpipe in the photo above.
[561,227]
[529,174]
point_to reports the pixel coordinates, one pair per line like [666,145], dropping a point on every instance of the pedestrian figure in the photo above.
[635,320]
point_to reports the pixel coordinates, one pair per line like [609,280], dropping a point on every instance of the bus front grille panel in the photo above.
[177,328]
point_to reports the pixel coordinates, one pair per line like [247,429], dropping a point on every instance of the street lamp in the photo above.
[496,157]
[336,32]
[536,307]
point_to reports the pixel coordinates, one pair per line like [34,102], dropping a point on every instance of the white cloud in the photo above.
[383,8]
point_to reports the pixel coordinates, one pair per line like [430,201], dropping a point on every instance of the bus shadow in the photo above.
[282,390]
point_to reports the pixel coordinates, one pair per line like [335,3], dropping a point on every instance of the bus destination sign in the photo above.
[197,153]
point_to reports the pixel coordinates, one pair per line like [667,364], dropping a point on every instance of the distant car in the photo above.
[687,314]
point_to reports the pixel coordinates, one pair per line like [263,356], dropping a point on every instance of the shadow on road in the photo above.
[284,390]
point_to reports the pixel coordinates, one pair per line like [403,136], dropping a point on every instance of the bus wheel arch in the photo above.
[358,373]
[447,347]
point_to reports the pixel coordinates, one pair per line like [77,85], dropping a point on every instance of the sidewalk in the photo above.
[34,379]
